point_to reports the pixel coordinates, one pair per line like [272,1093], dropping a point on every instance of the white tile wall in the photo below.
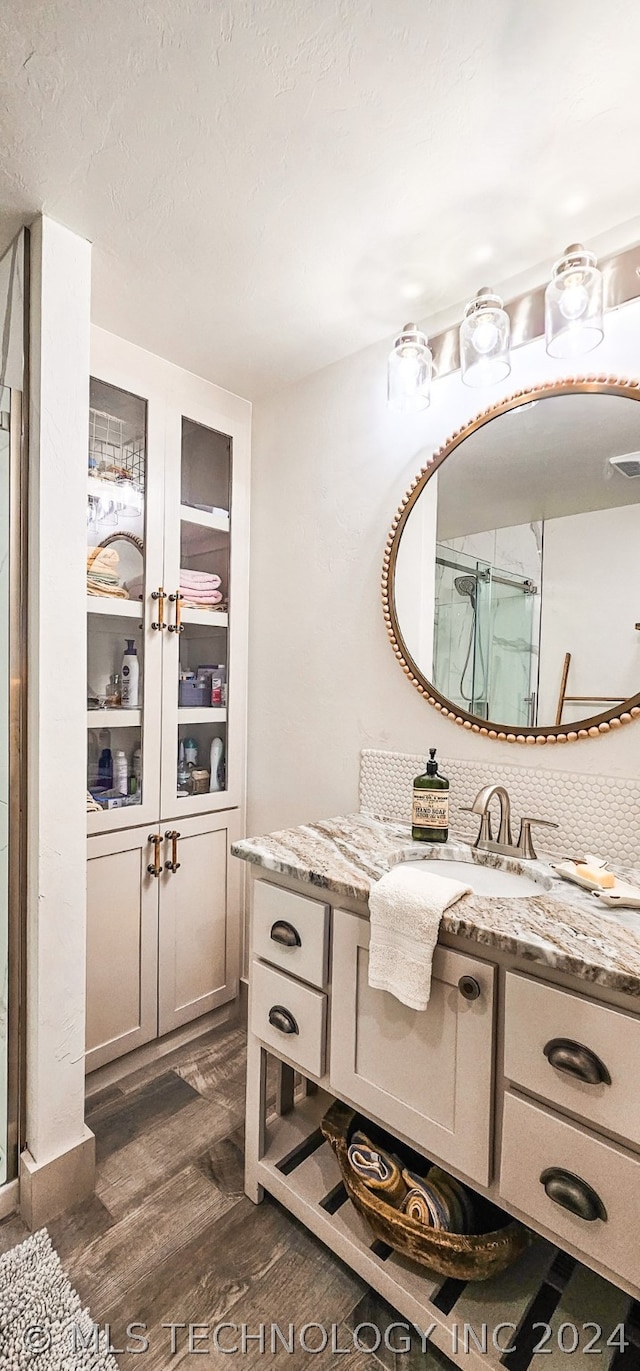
[598,814]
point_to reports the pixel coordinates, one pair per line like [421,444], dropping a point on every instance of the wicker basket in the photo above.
[466,1257]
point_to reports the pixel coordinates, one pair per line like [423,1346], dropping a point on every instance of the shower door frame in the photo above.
[18,588]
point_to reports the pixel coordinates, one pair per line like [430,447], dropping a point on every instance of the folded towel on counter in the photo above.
[378,1169]
[406,906]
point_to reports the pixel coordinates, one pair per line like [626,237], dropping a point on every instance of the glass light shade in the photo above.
[574,304]
[409,371]
[485,341]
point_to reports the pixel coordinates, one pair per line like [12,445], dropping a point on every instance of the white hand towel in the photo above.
[406,907]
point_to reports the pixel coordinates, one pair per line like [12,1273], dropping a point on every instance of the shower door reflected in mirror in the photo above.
[486,625]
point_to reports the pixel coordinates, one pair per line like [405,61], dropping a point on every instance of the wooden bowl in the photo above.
[464,1256]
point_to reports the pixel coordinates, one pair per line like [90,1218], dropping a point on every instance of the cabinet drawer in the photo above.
[289,1017]
[291,931]
[580,1036]
[533,1141]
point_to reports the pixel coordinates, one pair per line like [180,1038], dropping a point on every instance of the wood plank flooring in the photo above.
[170,1238]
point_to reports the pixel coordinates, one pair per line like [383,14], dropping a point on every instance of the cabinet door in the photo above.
[206,564]
[125,512]
[122,945]
[426,1074]
[199,919]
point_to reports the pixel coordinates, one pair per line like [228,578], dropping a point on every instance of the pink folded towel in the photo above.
[199,580]
[201,597]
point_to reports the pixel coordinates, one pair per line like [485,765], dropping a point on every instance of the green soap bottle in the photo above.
[430,811]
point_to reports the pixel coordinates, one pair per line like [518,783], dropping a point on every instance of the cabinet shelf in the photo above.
[114,718]
[206,714]
[190,515]
[310,1186]
[206,617]
[115,609]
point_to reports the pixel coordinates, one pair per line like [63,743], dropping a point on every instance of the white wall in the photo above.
[331,464]
[591,604]
[56,896]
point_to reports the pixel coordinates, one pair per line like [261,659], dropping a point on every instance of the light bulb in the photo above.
[485,336]
[573,300]
[409,371]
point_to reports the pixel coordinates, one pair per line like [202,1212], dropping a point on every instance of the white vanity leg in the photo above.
[285,1089]
[255,1119]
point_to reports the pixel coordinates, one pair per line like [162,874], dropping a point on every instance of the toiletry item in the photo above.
[217,678]
[136,765]
[185,783]
[105,769]
[130,676]
[112,694]
[596,876]
[199,780]
[190,751]
[216,781]
[120,773]
[430,810]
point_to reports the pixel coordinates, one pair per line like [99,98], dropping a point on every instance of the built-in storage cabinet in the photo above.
[429,1074]
[163,914]
[167,573]
[163,563]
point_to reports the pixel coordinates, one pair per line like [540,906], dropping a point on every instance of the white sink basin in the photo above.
[484,880]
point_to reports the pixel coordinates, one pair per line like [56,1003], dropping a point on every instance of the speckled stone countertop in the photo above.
[563,927]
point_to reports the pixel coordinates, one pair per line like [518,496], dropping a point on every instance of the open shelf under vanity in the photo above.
[545,1286]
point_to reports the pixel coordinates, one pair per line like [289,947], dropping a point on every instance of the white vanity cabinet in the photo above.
[425,1074]
[167,519]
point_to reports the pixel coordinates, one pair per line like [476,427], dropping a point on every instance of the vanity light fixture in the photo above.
[574,304]
[409,371]
[485,340]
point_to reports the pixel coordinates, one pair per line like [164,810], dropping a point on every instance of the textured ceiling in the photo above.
[270,185]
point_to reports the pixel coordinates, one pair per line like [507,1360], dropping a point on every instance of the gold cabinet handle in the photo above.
[160,596]
[178,627]
[172,836]
[155,868]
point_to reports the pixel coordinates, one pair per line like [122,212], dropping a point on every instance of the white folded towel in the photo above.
[406,907]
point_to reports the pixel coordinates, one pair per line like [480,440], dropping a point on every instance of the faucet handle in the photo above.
[525,842]
[485,835]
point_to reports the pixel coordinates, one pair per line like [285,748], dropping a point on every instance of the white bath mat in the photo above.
[42,1322]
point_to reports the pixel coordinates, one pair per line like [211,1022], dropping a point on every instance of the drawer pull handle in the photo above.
[286,934]
[469,988]
[577,1060]
[280,1018]
[572,1193]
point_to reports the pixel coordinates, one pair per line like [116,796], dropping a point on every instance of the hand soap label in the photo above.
[430,809]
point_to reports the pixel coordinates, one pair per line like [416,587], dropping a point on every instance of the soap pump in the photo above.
[430,810]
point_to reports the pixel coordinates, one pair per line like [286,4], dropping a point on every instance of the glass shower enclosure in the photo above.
[486,630]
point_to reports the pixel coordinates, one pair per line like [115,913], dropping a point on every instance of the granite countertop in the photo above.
[563,927]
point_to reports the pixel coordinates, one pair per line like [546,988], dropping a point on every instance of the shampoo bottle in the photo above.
[120,772]
[430,811]
[130,676]
[216,761]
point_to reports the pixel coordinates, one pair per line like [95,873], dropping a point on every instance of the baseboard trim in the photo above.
[116,1071]
[46,1190]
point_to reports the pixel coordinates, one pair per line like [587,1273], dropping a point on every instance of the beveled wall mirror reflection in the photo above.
[511,580]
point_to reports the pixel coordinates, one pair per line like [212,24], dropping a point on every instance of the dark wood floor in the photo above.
[170,1237]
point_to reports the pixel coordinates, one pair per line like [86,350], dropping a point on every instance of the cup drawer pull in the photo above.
[577,1060]
[285,934]
[282,1019]
[572,1193]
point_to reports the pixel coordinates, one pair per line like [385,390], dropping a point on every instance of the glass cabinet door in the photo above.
[120,640]
[196,649]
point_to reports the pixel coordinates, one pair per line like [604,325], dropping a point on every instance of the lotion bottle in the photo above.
[430,810]
[217,754]
[130,676]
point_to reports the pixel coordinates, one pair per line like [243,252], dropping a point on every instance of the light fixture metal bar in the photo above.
[621,273]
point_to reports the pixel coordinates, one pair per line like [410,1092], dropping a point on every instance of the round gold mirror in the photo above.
[511,577]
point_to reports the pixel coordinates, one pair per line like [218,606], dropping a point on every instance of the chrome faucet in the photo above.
[504,843]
